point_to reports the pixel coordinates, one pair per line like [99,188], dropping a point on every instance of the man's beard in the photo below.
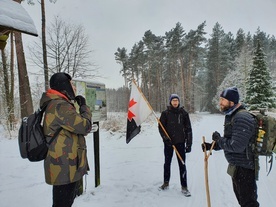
[224,108]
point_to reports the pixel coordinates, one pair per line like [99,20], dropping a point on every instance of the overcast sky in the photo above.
[121,23]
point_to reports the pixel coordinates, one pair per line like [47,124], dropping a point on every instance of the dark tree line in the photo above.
[190,64]
[117,99]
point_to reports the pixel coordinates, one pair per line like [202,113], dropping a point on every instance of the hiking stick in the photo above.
[206,156]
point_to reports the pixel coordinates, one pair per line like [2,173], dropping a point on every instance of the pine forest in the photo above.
[198,66]
[192,63]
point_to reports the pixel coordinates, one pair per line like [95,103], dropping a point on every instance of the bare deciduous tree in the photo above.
[43,40]
[67,50]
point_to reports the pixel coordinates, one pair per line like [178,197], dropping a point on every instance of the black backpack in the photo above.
[31,139]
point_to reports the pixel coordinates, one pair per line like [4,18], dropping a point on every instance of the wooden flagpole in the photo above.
[177,153]
[206,156]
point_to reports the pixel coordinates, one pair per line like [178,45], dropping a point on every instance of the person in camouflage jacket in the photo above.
[66,161]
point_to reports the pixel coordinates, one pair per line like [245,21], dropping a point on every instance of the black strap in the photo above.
[55,135]
[270,161]
[44,106]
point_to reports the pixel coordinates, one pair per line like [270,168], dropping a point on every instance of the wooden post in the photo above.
[97,155]
[96,140]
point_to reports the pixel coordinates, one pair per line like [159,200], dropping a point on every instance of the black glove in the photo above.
[80,100]
[167,141]
[206,146]
[216,136]
[188,149]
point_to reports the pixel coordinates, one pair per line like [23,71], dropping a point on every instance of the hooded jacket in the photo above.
[66,161]
[176,122]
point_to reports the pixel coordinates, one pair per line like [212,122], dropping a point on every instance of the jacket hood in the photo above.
[51,94]
[61,82]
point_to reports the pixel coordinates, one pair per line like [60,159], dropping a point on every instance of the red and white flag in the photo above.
[138,112]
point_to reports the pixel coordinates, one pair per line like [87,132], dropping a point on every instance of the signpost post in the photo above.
[95,95]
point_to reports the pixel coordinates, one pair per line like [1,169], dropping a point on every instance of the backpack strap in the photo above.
[44,106]
[182,109]
[55,135]
[58,131]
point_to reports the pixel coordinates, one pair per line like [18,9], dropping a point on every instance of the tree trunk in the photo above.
[190,90]
[45,63]
[24,85]
[182,76]
[6,80]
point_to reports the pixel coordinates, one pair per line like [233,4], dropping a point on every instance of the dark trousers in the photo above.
[245,187]
[168,152]
[64,195]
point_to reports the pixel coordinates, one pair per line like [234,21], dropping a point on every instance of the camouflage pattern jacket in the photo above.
[66,161]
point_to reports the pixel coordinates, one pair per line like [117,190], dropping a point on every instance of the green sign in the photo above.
[95,95]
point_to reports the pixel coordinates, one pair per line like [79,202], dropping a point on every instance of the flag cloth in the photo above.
[138,112]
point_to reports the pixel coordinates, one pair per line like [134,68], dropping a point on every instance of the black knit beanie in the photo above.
[61,82]
[231,94]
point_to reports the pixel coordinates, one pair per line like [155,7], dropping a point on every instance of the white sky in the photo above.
[121,23]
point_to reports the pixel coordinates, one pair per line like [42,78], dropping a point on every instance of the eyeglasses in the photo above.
[175,100]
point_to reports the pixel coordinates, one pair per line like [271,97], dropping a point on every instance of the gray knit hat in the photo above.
[172,96]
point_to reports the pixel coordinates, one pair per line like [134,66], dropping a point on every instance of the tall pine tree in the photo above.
[219,62]
[259,92]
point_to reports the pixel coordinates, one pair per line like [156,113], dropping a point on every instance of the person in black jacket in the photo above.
[239,133]
[176,122]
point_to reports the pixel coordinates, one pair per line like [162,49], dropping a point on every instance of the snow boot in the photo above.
[165,186]
[185,191]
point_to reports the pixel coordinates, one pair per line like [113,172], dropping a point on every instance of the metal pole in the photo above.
[97,155]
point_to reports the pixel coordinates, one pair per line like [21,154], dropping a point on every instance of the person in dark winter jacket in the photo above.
[66,161]
[239,133]
[176,122]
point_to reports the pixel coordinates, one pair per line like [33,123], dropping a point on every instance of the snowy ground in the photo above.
[131,173]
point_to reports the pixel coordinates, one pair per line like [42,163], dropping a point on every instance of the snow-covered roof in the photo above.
[88,81]
[14,17]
